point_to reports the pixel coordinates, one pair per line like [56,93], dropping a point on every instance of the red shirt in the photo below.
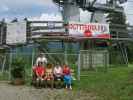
[40,70]
[66,71]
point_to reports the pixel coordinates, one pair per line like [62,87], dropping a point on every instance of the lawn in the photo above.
[4,76]
[115,84]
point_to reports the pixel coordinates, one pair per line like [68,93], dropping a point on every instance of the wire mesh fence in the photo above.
[80,62]
[7,60]
[92,59]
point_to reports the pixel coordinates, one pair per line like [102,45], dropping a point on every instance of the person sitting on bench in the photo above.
[49,75]
[41,58]
[49,72]
[58,72]
[40,73]
[58,76]
[67,76]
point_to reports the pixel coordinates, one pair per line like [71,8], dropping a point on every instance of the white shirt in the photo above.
[57,71]
[41,59]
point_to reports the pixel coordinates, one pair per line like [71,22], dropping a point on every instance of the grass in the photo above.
[4,76]
[116,84]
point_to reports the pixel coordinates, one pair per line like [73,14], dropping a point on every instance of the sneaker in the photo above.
[70,87]
[66,87]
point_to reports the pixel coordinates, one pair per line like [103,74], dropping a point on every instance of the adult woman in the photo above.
[41,58]
[58,76]
[40,73]
[58,72]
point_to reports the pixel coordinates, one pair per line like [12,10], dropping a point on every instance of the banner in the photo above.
[16,33]
[47,28]
[92,30]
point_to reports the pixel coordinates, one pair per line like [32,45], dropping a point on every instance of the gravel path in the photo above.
[9,92]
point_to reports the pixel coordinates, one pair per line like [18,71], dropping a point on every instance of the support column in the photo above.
[65,53]
[10,63]
[79,67]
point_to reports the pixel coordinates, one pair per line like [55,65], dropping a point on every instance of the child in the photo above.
[49,75]
[67,76]
[49,72]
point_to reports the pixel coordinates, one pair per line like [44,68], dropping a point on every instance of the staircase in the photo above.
[123,52]
[52,57]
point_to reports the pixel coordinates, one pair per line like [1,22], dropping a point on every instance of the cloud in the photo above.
[4,8]
[25,2]
[128,7]
[27,8]
[31,8]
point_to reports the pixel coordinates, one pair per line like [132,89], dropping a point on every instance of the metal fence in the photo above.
[7,59]
[93,59]
[79,63]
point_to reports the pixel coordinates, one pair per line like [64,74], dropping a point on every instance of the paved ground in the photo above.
[9,92]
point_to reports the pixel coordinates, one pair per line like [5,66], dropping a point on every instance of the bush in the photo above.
[18,68]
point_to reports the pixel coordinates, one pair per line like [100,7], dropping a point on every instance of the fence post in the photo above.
[3,65]
[79,67]
[10,63]
[32,63]
[66,47]
[106,60]
[90,59]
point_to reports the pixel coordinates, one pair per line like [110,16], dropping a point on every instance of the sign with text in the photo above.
[92,30]
[45,28]
[16,33]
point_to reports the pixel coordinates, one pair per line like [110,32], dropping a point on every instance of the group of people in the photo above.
[44,71]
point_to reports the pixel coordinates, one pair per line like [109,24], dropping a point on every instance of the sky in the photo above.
[26,8]
[10,9]
[129,11]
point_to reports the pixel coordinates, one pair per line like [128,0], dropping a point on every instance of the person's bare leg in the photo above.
[37,82]
[66,86]
[52,83]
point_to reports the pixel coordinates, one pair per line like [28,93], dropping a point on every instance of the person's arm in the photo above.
[46,73]
[33,67]
[61,71]
[69,70]
[54,71]
[42,74]
[37,74]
